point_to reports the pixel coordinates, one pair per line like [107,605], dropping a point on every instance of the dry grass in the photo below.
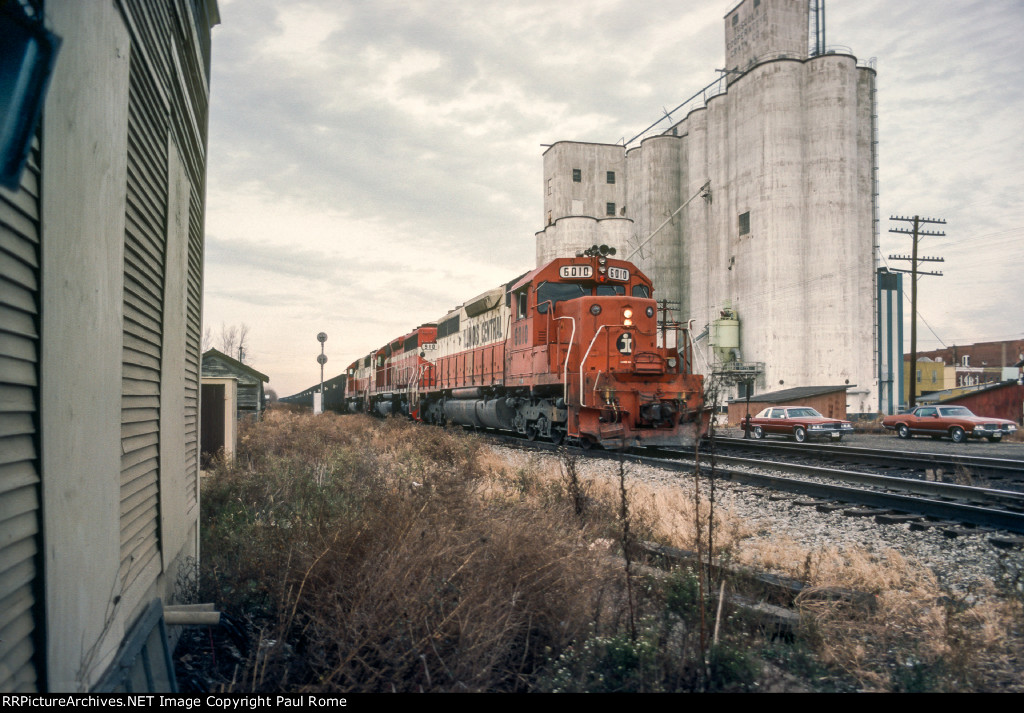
[378,557]
[363,555]
[911,635]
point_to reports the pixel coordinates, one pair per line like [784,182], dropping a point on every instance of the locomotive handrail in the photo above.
[583,362]
[506,355]
[565,370]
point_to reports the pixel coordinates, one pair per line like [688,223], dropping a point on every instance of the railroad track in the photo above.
[990,469]
[888,498]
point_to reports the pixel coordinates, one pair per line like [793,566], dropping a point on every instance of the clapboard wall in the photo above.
[101,252]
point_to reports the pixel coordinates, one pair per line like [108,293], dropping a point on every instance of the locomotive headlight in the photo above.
[650,311]
[671,362]
[595,310]
[602,269]
[627,313]
[627,322]
[602,260]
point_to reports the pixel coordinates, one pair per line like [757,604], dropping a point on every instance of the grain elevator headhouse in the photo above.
[755,197]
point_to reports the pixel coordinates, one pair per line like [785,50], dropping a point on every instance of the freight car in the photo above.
[572,349]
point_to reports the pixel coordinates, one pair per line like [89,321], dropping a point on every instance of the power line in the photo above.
[917,232]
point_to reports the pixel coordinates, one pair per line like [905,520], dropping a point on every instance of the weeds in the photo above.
[360,555]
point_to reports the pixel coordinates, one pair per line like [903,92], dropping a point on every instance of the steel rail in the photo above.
[978,465]
[954,509]
[975,514]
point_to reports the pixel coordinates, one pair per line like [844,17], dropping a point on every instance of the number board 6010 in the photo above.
[577,272]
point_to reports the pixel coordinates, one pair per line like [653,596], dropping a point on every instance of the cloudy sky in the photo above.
[373,163]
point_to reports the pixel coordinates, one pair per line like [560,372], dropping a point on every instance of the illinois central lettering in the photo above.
[483,332]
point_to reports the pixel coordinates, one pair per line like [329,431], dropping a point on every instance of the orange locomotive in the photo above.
[568,350]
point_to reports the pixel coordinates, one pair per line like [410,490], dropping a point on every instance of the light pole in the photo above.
[321,360]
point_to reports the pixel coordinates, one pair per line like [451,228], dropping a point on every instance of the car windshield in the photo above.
[958,411]
[804,413]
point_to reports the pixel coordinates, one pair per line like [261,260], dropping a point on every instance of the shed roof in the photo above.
[795,394]
[938,397]
[234,364]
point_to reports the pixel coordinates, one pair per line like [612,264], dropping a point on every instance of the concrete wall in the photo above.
[755,29]
[789,147]
[565,197]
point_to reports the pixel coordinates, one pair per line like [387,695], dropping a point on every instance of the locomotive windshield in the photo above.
[642,292]
[610,290]
[555,292]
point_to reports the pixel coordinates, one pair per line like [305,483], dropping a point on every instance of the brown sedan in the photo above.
[800,422]
[956,422]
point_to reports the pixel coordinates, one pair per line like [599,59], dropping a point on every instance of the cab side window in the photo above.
[520,298]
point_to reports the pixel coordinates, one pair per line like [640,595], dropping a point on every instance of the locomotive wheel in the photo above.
[557,436]
[531,431]
[585,443]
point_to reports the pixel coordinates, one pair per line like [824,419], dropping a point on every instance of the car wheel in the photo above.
[758,432]
[957,434]
[902,431]
[799,434]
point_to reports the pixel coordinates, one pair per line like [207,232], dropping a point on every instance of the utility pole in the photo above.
[918,233]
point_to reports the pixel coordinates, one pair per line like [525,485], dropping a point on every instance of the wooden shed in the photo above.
[250,399]
[829,401]
[1005,400]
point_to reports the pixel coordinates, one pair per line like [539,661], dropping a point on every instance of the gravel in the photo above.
[964,564]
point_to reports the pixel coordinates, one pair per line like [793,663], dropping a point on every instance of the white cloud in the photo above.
[372,163]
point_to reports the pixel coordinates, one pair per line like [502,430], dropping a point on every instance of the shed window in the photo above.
[611,177]
[577,175]
[609,209]
[744,223]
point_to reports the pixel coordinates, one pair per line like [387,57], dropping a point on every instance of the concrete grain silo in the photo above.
[786,235]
